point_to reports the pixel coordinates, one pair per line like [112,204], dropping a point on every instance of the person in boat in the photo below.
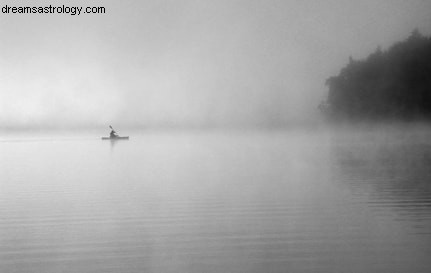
[113,133]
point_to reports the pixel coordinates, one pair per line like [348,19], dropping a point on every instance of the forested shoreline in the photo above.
[394,84]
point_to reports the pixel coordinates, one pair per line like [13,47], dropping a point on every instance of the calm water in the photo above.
[283,201]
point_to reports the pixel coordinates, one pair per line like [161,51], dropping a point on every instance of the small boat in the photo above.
[116,138]
[113,136]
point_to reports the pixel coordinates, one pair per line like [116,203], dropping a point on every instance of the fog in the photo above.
[188,63]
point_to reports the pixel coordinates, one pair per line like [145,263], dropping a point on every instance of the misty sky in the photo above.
[193,62]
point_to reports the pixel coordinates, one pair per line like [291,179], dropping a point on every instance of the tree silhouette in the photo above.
[395,84]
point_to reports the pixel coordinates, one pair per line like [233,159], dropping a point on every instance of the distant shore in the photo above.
[391,85]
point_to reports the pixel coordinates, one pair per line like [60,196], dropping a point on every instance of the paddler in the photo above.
[113,133]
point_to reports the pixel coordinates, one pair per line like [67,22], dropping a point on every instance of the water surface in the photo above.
[281,201]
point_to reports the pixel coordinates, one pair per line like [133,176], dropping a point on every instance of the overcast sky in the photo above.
[191,62]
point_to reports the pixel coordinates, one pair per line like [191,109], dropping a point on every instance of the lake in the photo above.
[323,200]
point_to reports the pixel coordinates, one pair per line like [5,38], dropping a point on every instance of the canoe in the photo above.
[116,138]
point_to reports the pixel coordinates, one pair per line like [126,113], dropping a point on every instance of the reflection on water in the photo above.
[287,201]
[391,170]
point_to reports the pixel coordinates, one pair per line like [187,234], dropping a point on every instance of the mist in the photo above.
[188,63]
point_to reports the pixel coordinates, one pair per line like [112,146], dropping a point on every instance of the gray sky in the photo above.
[188,62]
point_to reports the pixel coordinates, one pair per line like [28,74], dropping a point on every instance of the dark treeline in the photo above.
[392,84]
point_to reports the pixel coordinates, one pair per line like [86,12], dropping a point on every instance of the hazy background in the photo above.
[187,63]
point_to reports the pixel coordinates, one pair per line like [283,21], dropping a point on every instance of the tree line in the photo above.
[391,84]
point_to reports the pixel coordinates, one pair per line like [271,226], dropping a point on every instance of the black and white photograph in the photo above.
[215,136]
